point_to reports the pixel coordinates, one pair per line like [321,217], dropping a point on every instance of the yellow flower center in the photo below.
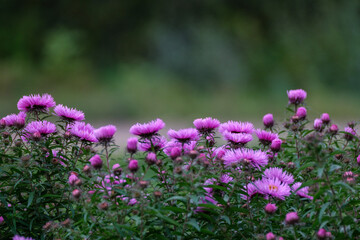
[273,188]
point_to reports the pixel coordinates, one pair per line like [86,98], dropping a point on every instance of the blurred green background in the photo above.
[135,60]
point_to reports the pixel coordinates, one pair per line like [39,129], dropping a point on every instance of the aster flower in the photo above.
[276,145]
[302,192]
[278,173]
[226,178]
[252,190]
[291,218]
[349,133]
[301,113]
[69,114]
[296,96]
[15,120]
[237,138]
[173,144]
[273,188]
[211,181]
[131,146]
[325,118]
[147,130]
[96,161]
[156,143]
[270,208]
[237,127]
[255,158]
[38,129]
[268,120]
[184,135]
[105,133]
[36,103]
[17,237]
[265,137]
[318,124]
[206,125]
[83,131]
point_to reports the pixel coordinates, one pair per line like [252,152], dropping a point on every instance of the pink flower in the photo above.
[252,189]
[237,138]
[206,125]
[296,96]
[1,220]
[268,120]
[278,173]
[69,114]
[15,120]
[38,129]
[184,135]
[147,129]
[237,127]
[131,146]
[175,152]
[349,133]
[17,237]
[175,144]
[276,145]
[358,160]
[265,137]
[325,118]
[270,208]
[151,158]
[36,103]
[132,202]
[96,161]
[321,234]
[83,131]
[255,158]
[301,113]
[273,188]
[318,124]
[155,143]
[72,179]
[291,218]
[270,236]
[334,129]
[226,178]
[105,133]
[133,165]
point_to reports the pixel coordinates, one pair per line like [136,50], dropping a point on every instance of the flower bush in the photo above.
[60,178]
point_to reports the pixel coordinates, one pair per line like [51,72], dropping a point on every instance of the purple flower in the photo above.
[296,96]
[268,120]
[237,138]
[318,124]
[270,208]
[270,236]
[278,173]
[276,145]
[36,103]
[274,188]
[15,120]
[321,234]
[291,218]
[206,125]
[301,113]
[265,137]
[175,144]
[334,129]
[17,237]
[151,158]
[155,143]
[184,135]
[131,146]
[325,118]
[69,114]
[255,158]
[132,202]
[72,179]
[1,220]
[83,131]
[105,133]
[226,178]
[358,160]
[237,127]
[133,165]
[302,192]
[96,161]
[147,130]
[349,133]
[38,129]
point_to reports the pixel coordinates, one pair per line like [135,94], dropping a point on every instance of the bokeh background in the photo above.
[124,61]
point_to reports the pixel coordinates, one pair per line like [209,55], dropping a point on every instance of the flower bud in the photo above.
[36,136]
[301,113]
[268,120]
[270,236]
[133,165]
[131,146]
[6,134]
[25,158]
[291,218]
[157,194]
[78,182]
[358,160]
[321,234]
[76,193]
[18,143]
[143,184]
[175,152]
[1,220]
[103,206]
[86,169]
[67,135]
[334,129]
[325,118]
[151,158]
[117,170]
[328,235]
[270,208]
[276,145]
[132,202]
[72,179]
[66,222]
[47,225]
[178,170]
[318,125]
[2,123]
[193,154]
[96,161]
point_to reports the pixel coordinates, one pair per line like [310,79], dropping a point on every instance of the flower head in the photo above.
[39,129]
[265,137]
[105,133]
[36,103]
[318,124]
[237,138]
[96,161]
[237,127]
[349,133]
[255,158]
[131,146]
[174,144]
[274,188]
[270,208]
[276,145]
[270,236]
[17,237]
[296,96]
[15,120]
[278,173]
[155,143]
[291,218]
[184,135]
[301,113]
[302,192]
[206,125]
[133,165]
[147,130]
[69,114]
[325,118]
[321,234]
[268,120]
[83,131]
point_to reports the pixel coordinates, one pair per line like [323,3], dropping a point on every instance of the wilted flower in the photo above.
[69,114]
[96,161]
[265,137]
[206,125]
[237,127]
[296,96]
[83,131]
[291,218]
[255,158]
[147,129]
[105,133]
[184,135]
[268,120]
[36,103]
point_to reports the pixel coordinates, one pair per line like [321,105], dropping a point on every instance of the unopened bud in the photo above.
[25,158]
[193,154]
[5,134]
[86,169]
[76,193]
[157,194]
[36,136]
[66,222]
[143,184]
[104,206]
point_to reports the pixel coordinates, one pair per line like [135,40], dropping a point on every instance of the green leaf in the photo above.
[192,222]
[322,210]
[31,198]
[334,167]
